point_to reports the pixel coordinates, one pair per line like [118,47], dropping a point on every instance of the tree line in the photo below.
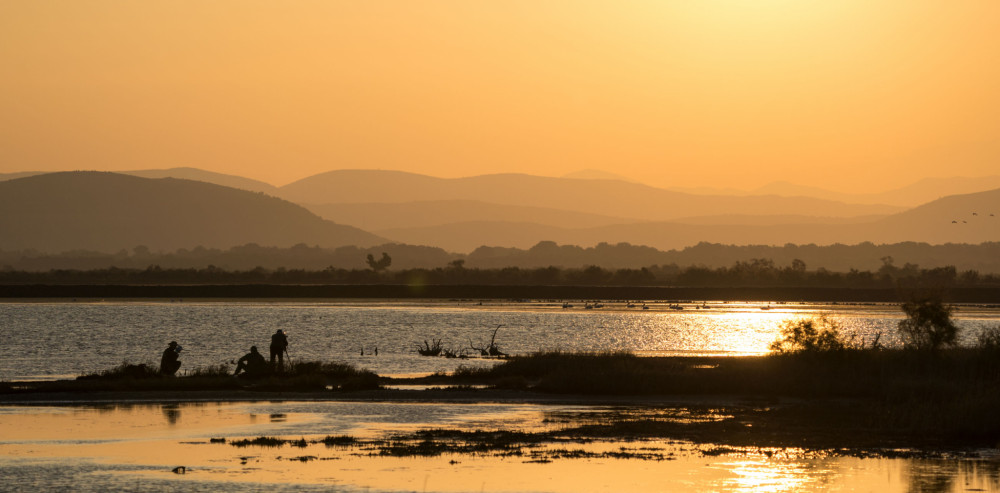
[983,258]
[757,272]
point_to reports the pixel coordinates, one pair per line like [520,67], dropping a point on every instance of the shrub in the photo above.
[810,335]
[928,324]
[989,339]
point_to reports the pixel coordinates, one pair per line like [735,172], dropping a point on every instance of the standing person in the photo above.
[169,362]
[279,344]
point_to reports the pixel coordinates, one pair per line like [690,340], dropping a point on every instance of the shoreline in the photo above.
[988,295]
[433,395]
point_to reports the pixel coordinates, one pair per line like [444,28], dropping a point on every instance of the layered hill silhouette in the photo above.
[969,218]
[386,216]
[184,173]
[614,198]
[196,174]
[109,211]
[912,195]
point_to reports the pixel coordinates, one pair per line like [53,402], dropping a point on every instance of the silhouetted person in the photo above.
[252,364]
[279,343]
[169,363]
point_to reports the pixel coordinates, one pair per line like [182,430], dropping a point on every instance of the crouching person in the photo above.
[169,362]
[253,365]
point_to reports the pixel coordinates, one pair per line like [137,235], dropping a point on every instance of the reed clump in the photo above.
[949,393]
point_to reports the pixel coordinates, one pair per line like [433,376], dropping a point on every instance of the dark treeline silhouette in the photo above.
[755,272]
[246,257]
[983,258]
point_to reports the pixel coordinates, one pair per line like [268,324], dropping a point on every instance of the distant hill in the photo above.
[464,237]
[772,220]
[196,174]
[966,218]
[912,195]
[596,174]
[19,174]
[379,216]
[604,197]
[921,192]
[930,223]
[108,211]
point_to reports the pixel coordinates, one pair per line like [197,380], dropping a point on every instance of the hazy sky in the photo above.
[851,95]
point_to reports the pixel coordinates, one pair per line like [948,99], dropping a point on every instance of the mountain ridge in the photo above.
[106,211]
[603,197]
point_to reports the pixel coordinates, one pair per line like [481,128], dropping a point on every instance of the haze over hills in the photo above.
[196,174]
[912,195]
[604,197]
[597,174]
[19,174]
[386,216]
[930,223]
[108,211]
[422,210]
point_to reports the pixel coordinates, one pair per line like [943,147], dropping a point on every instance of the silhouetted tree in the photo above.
[810,335]
[380,264]
[928,324]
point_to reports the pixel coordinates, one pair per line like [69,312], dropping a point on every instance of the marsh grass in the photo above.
[952,394]
[318,374]
[300,376]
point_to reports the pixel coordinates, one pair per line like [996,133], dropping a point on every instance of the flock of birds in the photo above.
[955,221]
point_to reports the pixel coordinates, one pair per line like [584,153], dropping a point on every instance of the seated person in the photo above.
[253,364]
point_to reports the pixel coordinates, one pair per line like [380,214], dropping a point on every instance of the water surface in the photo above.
[136,446]
[48,340]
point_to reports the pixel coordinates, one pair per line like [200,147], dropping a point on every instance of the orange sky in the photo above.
[849,95]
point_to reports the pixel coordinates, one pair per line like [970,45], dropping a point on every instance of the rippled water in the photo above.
[134,447]
[57,340]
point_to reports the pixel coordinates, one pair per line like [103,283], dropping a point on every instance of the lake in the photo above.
[50,340]
[136,446]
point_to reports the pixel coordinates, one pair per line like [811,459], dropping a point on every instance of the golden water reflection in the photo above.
[145,442]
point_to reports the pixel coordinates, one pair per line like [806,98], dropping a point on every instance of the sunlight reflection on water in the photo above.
[135,446]
[64,339]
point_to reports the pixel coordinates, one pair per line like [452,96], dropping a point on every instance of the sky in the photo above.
[851,95]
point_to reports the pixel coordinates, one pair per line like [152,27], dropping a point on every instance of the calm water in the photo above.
[134,447]
[58,340]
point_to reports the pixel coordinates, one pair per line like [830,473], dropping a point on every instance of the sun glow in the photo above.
[724,93]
